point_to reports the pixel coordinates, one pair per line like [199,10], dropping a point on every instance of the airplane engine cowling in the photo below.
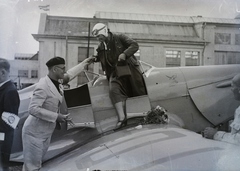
[216,103]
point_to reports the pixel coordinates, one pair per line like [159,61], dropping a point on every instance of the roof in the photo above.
[55,26]
[26,56]
[151,27]
[23,55]
[163,18]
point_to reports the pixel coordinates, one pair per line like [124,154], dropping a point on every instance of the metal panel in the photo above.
[82,116]
[206,102]
[200,86]
[152,147]
[209,74]
[79,106]
[138,106]
[167,83]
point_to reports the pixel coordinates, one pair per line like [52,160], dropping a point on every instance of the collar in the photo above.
[53,88]
[54,81]
[1,84]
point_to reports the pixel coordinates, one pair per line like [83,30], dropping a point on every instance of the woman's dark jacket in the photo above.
[108,56]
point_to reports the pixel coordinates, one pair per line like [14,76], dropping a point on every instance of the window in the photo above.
[34,74]
[222,58]
[237,39]
[223,38]
[173,58]
[23,73]
[192,58]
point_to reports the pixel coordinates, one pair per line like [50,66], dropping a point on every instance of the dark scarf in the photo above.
[56,83]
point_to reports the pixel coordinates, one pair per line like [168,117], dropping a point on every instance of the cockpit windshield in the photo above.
[145,67]
[89,76]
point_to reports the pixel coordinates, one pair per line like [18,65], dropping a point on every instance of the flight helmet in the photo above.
[100,28]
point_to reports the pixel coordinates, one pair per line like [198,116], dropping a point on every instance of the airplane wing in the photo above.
[150,148]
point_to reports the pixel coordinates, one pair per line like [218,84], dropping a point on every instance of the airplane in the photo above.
[194,97]
[149,148]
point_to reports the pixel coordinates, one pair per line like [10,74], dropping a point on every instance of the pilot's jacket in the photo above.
[233,136]
[41,122]
[108,56]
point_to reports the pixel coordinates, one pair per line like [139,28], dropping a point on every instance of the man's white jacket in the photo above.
[43,109]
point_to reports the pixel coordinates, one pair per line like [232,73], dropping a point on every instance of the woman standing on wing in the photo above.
[112,50]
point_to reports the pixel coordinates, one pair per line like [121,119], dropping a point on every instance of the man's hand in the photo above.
[89,60]
[70,122]
[209,132]
[74,71]
[122,57]
[62,118]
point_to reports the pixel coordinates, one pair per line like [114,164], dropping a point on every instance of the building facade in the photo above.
[164,41]
[24,70]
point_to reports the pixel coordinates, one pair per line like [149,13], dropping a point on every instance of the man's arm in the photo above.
[76,70]
[227,137]
[212,133]
[36,109]
[11,102]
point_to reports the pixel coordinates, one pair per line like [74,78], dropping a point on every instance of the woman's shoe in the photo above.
[121,123]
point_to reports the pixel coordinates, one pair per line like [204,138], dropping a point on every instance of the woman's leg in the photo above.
[118,97]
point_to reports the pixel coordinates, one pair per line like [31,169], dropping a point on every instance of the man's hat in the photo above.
[55,61]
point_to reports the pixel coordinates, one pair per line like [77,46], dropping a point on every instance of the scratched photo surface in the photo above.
[184,49]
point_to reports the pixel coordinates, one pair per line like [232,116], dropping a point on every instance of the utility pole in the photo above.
[66,55]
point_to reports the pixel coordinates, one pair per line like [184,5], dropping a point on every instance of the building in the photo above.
[164,41]
[24,69]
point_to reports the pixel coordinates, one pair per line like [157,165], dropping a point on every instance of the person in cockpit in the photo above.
[116,54]
[233,136]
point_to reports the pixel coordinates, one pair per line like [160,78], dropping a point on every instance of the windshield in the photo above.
[88,76]
[145,67]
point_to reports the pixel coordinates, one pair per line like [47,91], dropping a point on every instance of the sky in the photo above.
[19,19]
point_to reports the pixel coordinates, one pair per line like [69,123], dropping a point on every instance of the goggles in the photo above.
[96,31]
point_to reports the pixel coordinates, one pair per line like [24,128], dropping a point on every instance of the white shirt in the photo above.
[233,136]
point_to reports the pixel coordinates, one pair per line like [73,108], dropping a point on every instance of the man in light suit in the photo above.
[44,111]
